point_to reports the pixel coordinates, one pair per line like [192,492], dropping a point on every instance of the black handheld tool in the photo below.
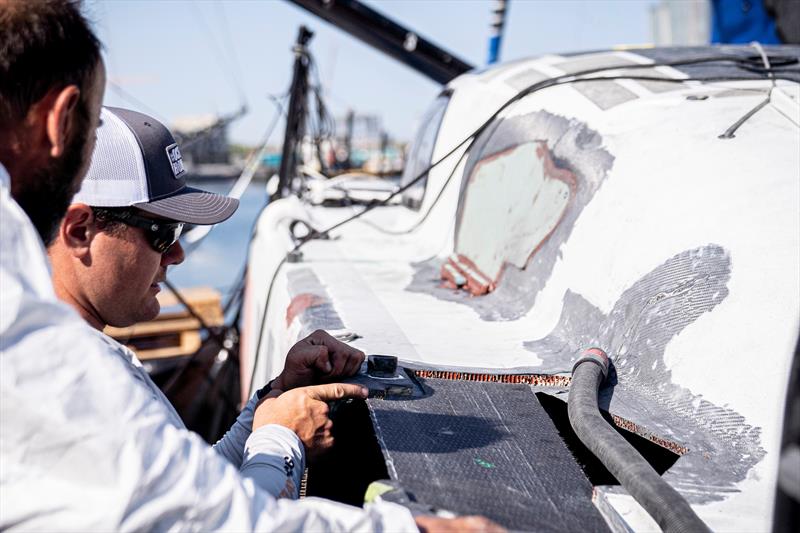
[385,379]
[382,366]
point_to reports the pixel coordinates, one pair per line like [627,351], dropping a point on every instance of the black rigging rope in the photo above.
[754,63]
[380,203]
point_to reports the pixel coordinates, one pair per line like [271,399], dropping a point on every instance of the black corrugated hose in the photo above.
[668,508]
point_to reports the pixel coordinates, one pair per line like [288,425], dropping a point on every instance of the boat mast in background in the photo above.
[295,118]
[496,35]
[374,29]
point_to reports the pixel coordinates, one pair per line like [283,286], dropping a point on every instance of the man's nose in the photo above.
[174,255]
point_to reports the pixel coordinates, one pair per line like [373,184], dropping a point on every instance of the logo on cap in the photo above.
[175,160]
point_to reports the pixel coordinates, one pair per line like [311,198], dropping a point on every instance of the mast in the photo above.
[295,119]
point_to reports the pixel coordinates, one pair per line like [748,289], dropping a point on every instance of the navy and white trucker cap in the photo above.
[136,162]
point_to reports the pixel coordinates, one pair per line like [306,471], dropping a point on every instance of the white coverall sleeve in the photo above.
[85,447]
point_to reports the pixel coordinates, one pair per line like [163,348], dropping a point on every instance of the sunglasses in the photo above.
[161,235]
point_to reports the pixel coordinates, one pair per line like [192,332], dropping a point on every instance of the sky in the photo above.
[176,58]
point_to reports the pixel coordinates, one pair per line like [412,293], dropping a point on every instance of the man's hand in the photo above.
[468,524]
[319,358]
[304,410]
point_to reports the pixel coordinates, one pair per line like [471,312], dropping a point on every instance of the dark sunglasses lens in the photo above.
[165,236]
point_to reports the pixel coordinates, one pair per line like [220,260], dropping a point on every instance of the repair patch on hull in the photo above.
[554,166]
[722,447]
[520,192]
[310,303]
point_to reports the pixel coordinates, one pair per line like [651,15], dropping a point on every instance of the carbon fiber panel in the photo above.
[485,448]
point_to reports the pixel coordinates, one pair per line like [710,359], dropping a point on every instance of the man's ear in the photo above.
[61,104]
[77,229]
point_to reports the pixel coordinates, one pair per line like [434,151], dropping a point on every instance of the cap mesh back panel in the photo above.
[116,176]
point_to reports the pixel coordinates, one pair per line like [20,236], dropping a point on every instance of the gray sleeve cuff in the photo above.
[274,459]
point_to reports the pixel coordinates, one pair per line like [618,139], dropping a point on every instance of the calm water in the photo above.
[217,261]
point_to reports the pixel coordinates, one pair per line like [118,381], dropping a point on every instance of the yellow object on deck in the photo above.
[172,333]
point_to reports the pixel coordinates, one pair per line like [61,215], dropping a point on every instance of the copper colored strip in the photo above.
[478,283]
[642,432]
[545,380]
[527,379]
[449,273]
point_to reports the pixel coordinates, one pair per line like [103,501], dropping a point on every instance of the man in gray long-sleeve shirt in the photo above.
[111,253]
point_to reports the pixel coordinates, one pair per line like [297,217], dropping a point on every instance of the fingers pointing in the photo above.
[336,391]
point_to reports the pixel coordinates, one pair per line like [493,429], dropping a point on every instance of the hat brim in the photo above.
[193,206]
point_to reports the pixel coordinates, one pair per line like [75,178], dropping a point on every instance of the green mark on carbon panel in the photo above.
[485,464]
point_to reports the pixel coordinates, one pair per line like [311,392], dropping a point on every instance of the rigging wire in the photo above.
[323,233]
[424,217]
[231,49]
[318,92]
[128,97]
[576,77]
[224,65]
[237,290]
[730,133]
[320,125]
[220,338]
[195,236]
[263,323]
[447,181]
[238,287]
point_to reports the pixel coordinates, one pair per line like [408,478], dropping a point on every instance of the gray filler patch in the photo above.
[592,61]
[320,316]
[526,78]
[604,94]
[654,86]
[574,146]
[647,316]
[489,449]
